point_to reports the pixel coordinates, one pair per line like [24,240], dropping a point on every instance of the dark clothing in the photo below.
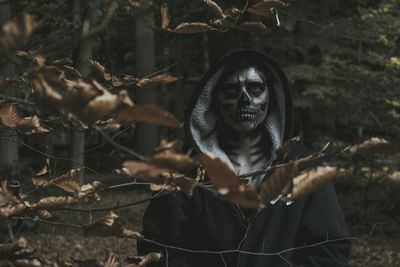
[205,222]
[309,232]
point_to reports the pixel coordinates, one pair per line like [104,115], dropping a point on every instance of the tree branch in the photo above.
[118,146]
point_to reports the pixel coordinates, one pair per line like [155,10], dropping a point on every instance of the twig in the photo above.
[115,206]
[48,155]
[16,100]
[104,143]
[99,28]
[243,10]
[48,222]
[325,27]
[118,146]
[10,232]
[162,70]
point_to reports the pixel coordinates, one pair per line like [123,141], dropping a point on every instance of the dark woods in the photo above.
[93,95]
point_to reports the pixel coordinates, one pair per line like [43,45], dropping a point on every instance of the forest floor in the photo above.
[370,214]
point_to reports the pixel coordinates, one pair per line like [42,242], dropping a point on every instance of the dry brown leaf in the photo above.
[371,144]
[9,249]
[173,161]
[158,79]
[280,179]
[164,78]
[11,207]
[165,17]
[9,116]
[228,184]
[67,182]
[26,263]
[169,146]
[140,169]
[245,197]
[36,55]
[142,261]
[134,3]
[283,151]
[162,187]
[185,184]
[215,8]
[220,174]
[31,125]
[394,176]
[44,214]
[100,70]
[254,27]
[146,113]
[109,225]
[15,33]
[55,202]
[111,260]
[90,190]
[123,80]
[222,23]
[309,180]
[233,12]
[192,27]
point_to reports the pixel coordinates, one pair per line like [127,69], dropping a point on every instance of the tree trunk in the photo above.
[8,149]
[82,55]
[146,135]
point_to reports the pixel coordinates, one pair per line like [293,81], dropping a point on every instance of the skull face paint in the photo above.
[243,99]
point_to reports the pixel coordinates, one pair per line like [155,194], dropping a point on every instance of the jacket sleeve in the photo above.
[166,221]
[322,235]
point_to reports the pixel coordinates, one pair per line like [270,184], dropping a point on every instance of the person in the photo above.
[242,112]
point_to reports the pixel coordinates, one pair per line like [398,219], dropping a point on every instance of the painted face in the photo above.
[243,99]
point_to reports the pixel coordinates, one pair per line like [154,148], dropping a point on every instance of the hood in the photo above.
[201,119]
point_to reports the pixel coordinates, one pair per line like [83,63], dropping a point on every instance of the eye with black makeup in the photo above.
[230,90]
[255,88]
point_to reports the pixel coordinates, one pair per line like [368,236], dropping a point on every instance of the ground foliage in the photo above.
[342,60]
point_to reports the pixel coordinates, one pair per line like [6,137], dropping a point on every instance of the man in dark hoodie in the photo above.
[242,112]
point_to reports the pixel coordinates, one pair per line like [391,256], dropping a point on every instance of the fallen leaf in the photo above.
[233,12]
[55,202]
[9,116]
[142,261]
[44,214]
[109,225]
[26,263]
[31,125]
[140,169]
[9,249]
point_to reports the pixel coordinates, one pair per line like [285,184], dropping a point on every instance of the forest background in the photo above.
[342,59]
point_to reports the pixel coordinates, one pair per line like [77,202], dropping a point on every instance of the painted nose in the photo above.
[244,98]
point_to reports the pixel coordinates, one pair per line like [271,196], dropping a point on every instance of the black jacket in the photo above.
[214,232]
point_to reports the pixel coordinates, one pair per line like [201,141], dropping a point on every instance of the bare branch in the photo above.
[118,146]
